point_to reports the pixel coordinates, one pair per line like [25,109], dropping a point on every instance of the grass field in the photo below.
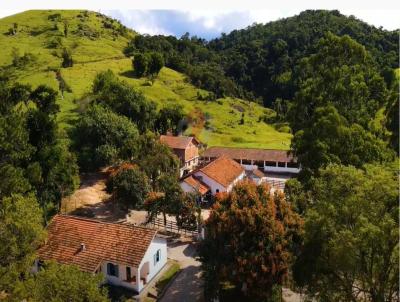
[215,123]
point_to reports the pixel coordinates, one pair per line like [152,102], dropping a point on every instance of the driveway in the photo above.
[187,286]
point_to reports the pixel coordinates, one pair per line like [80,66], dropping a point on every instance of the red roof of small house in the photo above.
[250,154]
[103,241]
[223,170]
[178,142]
[197,184]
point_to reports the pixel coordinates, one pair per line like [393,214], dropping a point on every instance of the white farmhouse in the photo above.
[127,255]
[219,176]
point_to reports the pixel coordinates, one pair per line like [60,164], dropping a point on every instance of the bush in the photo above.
[67,58]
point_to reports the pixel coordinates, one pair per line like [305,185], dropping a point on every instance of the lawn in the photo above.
[167,276]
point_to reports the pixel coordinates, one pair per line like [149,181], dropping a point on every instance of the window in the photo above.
[128,273]
[157,257]
[281,164]
[112,269]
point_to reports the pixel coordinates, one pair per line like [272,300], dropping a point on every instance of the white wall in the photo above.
[157,244]
[281,169]
[186,187]
[214,186]
[119,281]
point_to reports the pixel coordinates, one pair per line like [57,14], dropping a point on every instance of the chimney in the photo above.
[83,247]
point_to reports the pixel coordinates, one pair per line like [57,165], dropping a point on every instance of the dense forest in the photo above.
[263,61]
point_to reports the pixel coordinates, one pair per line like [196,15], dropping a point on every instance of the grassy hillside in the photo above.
[96,44]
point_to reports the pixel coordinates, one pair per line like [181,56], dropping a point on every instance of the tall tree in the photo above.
[21,233]
[170,118]
[129,186]
[103,137]
[156,62]
[156,159]
[351,241]
[141,64]
[250,235]
[167,200]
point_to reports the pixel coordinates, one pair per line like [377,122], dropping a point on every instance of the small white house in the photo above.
[220,175]
[127,255]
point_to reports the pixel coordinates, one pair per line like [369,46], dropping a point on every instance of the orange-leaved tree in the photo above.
[249,239]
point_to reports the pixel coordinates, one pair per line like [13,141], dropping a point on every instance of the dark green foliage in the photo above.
[170,118]
[12,31]
[147,64]
[45,99]
[351,235]
[23,61]
[54,17]
[129,187]
[121,98]
[155,64]
[65,28]
[330,139]
[67,58]
[156,159]
[392,114]
[58,282]
[340,73]
[262,60]
[340,93]
[21,233]
[103,137]
[140,64]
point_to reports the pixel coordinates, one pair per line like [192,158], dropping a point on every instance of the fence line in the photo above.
[277,184]
[171,226]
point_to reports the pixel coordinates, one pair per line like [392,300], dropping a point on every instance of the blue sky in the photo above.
[211,23]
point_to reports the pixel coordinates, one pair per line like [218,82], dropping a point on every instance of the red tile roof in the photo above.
[250,154]
[197,184]
[223,170]
[117,243]
[177,142]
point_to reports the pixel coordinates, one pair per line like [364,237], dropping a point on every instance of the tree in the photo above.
[167,200]
[351,240]
[156,62]
[129,186]
[156,159]
[65,28]
[21,233]
[341,73]
[58,282]
[123,99]
[140,64]
[45,99]
[170,118]
[330,139]
[67,58]
[102,137]
[59,176]
[250,235]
